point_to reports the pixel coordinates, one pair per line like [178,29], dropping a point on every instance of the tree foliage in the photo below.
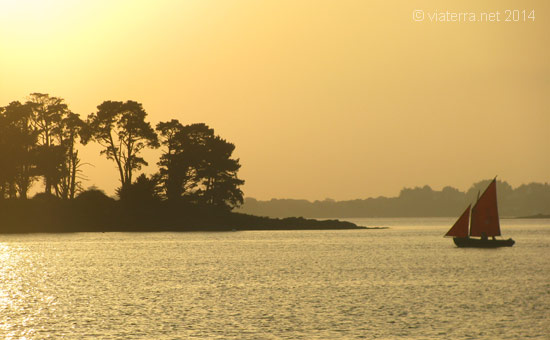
[47,119]
[120,128]
[40,139]
[17,150]
[57,130]
[197,166]
[72,127]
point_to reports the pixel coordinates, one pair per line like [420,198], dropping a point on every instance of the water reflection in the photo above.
[25,297]
[11,291]
[404,282]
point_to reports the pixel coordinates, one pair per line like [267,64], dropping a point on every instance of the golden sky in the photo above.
[343,99]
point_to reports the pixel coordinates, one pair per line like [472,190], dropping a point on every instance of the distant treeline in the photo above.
[525,200]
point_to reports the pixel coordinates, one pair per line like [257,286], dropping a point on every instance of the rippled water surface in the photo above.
[404,282]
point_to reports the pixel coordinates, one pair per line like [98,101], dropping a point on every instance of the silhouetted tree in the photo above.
[93,206]
[218,174]
[143,190]
[56,154]
[72,127]
[168,132]
[120,128]
[197,166]
[7,156]
[174,169]
[93,196]
[17,150]
[47,116]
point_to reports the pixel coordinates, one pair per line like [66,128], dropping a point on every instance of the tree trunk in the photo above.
[117,159]
[12,191]
[72,185]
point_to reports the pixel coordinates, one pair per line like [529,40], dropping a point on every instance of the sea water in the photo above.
[404,282]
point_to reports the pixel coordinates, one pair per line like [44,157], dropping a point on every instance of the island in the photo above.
[95,212]
[195,187]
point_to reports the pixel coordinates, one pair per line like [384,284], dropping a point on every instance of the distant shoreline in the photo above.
[537,216]
[525,200]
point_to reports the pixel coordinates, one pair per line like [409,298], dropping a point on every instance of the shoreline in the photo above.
[58,216]
[537,216]
[183,230]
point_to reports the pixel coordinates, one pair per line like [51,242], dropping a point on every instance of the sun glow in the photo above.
[40,25]
[33,14]
[356,75]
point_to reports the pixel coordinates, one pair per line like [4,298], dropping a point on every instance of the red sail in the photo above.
[460,228]
[485,213]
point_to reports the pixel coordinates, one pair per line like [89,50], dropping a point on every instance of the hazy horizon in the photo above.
[340,100]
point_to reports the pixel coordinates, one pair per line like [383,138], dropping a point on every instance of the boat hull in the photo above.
[467,242]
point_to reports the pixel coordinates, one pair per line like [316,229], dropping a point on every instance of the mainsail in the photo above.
[485,213]
[460,228]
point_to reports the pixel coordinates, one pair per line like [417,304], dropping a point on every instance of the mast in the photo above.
[485,218]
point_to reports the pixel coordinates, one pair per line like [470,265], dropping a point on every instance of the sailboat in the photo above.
[483,223]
